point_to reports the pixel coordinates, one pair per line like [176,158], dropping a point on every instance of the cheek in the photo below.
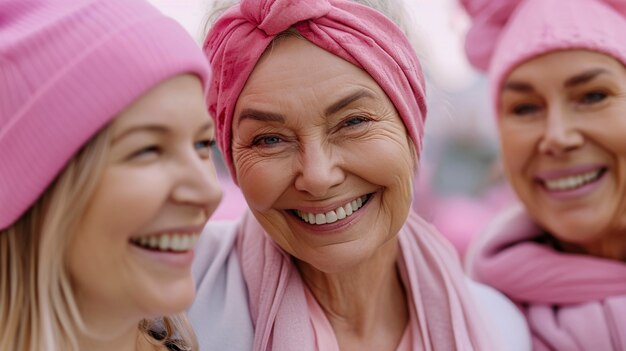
[610,135]
[262,179]
[387,162]
[126,200]
[517,148]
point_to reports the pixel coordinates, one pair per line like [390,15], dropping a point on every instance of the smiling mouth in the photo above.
[338,214]
[168,242]
[573,182]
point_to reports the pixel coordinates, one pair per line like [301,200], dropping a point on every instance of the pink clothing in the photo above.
[446,317]
[505,33]
[67,68]
[571,302]
[325,339]
[354,32]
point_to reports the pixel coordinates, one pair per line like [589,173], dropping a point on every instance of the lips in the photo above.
[570,179]
[338,214]
[174,241]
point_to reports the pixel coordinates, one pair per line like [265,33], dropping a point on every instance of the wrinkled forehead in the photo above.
[296,68]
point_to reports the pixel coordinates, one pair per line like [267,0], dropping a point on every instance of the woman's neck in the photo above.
[133,340]
[366,305]
[609,249]
[110,329]
[612,247]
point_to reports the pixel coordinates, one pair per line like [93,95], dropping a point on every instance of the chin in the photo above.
[169,301]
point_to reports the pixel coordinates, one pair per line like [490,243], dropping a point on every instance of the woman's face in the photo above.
[562,124]
[321,156]
[134,246]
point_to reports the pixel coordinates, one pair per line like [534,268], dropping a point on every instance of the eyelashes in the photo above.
[203,147]
[589,99]
[270,140]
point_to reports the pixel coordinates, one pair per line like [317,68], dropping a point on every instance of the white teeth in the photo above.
[331,217]
[341,213]
[572,182]
[348,208]
[178,242]
[320,218]
[175,242]
[338,214]
[164,243]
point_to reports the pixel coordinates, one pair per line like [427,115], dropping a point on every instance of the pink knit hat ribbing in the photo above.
[505,33]
[67,68]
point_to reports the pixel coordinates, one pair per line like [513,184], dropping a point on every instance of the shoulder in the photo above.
[215,245]
[502,316]
[215,255]
[220,314]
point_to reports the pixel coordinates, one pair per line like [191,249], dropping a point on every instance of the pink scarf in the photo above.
[446,315]
[356,33]
[572,302]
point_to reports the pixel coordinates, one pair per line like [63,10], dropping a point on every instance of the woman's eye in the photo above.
[204,144]
[354,121]
[525,109]
[593,97]
[266,140]
[204,147]
[146,151]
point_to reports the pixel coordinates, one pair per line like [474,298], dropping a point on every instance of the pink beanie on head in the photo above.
[505,33]
[67,68]
[356,33]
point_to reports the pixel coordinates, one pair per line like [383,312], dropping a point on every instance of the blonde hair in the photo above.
[38,310]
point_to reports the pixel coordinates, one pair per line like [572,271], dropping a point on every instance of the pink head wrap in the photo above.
[356,33]
[505,33]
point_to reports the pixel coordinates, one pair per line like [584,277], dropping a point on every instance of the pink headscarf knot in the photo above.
[274,17]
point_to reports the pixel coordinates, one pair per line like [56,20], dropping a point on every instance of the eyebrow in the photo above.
[584,77]
[265,116]
[337,106]
[519,87]
[155,128]
[258,115]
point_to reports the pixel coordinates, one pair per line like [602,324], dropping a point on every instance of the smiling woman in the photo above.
[320,111]
[567,161]
[330,151]
[105,186]
[558,80]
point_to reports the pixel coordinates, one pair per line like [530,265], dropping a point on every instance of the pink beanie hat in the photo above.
[67,68]
[356,33]
[505,33]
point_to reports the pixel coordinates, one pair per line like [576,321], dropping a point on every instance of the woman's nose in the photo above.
[560,134]
[198,184]
[319,169]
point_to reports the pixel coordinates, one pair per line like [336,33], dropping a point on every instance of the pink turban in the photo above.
[505,33]
[356,33]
